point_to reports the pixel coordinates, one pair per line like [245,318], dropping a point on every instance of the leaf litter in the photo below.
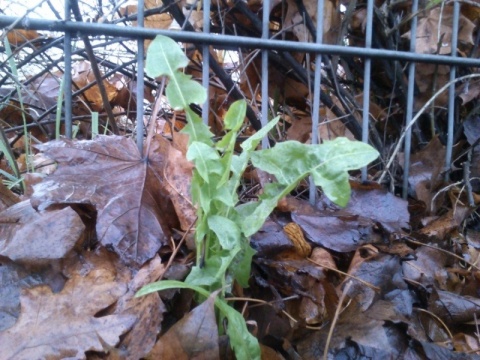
[380,278]
[407,299]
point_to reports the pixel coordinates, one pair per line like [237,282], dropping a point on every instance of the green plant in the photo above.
[14,77]
[223,227]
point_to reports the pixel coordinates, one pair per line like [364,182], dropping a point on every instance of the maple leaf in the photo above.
[64,325]
[109,173]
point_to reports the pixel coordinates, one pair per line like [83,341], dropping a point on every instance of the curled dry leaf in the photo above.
[295,234]
[83,76]
[133,209]
[64,325]
[148,311]
[7,197]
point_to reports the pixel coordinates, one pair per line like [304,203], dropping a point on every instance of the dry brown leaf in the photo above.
[38,237]
[448,222]
[156,21]
[342,232]
[193,337]
[331,127]
[18,37]
[301,128]
[177,174]
[381,270]
[7,197]
[428,267]
[381,206]
[331,20]
[148,310]
[64,325]
[133,210]
[322,257]
[271,240]
[14,278]
[434,36]
[427,41]
[83,76]
[425,174]
[295,234]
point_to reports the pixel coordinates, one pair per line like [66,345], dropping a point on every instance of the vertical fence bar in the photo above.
[366,81]
[316,93]
[409,113]
[140,77]
[206,61]
[265,100]
[451,90]
[67,82]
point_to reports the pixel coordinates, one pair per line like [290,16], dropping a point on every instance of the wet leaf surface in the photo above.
[129,199]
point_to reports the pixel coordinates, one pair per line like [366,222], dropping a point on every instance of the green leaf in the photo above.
[328,164]
[205,158]
[254,214]
[252,142]
[244,344]
[235,115]
[227,231]
[164,57]
[212,274]
[241,265]
[182,91]
[196,129]
[169,284]
[233,121]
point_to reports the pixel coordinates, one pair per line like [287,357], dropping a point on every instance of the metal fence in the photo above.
[73,26]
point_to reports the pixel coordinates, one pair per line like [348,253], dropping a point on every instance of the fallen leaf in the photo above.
[336,231]
[453,308]
[14,278]
[193,337]
[132,207]
[425,174]
[18,37]
[64,325]
[7,197]
[148,311]
[358,335]
[380,206]
[178,175]
[380,270]
[271,240]
[427,268]
[38,237]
